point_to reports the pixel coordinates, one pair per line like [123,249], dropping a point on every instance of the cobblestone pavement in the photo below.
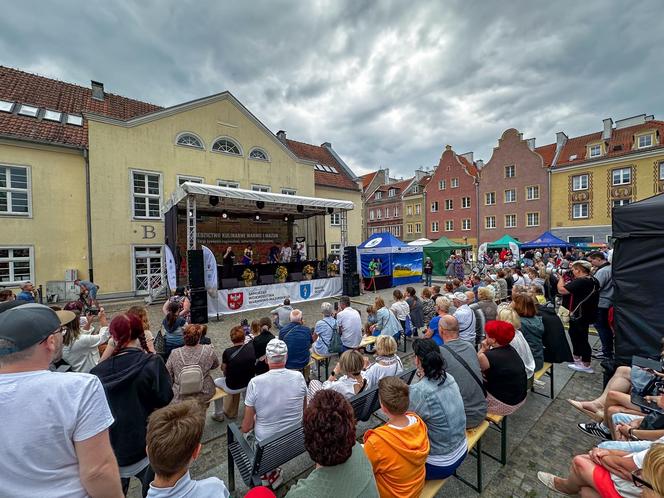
[541,436]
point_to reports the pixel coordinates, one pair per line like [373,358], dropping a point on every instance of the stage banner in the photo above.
[263,296]
[515,251]
[375,265]
[210,264]
[171,269]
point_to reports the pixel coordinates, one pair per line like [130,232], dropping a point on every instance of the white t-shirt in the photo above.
[376,371]
[43,414]
[83,355]
[349,323]
[466,318]
[521,346]
[278,398]
[400,309]
[344,385]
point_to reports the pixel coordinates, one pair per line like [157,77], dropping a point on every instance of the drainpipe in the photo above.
[548,197]
[88,213]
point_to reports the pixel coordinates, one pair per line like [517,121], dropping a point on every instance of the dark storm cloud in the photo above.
[389,83]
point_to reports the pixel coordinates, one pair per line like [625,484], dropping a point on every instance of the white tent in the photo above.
[420,242]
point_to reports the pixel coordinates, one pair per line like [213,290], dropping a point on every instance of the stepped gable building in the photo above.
[592,174]
[385,208]
[513,190]
[333,179]
[451,198]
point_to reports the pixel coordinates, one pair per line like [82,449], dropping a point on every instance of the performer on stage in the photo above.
[273,256]
[248,257]
[286,253]
[228,261]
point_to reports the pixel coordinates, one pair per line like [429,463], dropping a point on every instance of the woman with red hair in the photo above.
[503,370]
[136,384]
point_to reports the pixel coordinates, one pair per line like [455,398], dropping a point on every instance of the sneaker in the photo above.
[580,367]
[595,429]
[272,479]
[598,355]
[218,417]
[549,481]
[539,383]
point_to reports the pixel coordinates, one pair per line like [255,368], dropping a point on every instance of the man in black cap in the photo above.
[54,428]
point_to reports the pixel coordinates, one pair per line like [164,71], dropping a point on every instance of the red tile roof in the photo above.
[470,167]
[400,186]
[367,179]
[621,143]
[425,180]
[547,152]
[321,155]
[38,91]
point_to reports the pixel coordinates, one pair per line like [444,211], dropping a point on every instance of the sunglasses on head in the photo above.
[63,330]
[638,481]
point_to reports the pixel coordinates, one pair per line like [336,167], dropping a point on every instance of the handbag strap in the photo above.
[237,352]
[332,329]
[466,366]
[583,301]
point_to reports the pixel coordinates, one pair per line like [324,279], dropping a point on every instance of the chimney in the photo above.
[531,143]
[326,145]
[561,140]
[479,164]
[468,156]
[97,90]
[281,135]
[608,128]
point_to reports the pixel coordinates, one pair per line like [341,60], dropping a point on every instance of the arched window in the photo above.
[189,140]
[258,154]
[226,145]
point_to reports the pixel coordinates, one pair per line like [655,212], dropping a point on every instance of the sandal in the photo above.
[549,481]
[596,416]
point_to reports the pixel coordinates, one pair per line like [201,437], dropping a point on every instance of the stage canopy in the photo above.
[420,242]
[547,239]
[638,258]
[504,241]
[440,251]
[398,261]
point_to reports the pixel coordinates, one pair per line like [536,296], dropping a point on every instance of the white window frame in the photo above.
[409,210]
[530,189]
[510,168]
[28,110]
[466,224]
[645,135]
[392,192]
[580,186]
[487,224]
[378,196]
[442,185]
[434,206]
[257,187]
[396,211]
[379,214]
[621,172]
[661,170]
[387,212]
[74,119]
[288,191]
[371,214]
[620,202]
[489,196]
[449,225]
[418,227]
[533,213]
[6,106]
[512,191]
[133,251]
[228,184]
[132,172]
[230,139]
[464,204]
[11,259]
[194,147]
[454,183]
[511,216]
[434,226]
[449,204]
[9,191]
[50,115]
[595,150]
[574,211]
[335,248]
[409,228]
[418,207]
[260,149]
[180,179]
[335,219]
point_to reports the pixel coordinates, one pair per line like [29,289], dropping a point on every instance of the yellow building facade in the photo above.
[597,172]
[332,223]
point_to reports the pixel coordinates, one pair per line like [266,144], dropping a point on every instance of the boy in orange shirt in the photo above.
[398,450]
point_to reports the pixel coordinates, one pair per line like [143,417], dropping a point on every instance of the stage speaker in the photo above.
[267,279]
[295,277]
[350,259]
[228,283]
[351,284]
[196,268]
[198,297]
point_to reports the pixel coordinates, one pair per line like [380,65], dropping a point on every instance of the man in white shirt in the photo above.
[54,428]
[274,401]
[465,316]
[349,323]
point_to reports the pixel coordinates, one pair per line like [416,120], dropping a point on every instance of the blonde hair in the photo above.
[379,303]
[443,303]
[652,466]
[485,293]
[386,345]
[351,362]
[507,314]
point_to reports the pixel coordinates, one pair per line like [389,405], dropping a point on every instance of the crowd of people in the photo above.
[132,403]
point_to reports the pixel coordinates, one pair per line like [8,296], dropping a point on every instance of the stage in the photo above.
[262,296]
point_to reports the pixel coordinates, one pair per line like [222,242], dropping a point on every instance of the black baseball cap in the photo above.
[25,325]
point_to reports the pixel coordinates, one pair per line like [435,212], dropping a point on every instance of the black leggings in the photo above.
[578,333]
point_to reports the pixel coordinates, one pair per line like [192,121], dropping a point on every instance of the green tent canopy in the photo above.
[440,251]
[504,241]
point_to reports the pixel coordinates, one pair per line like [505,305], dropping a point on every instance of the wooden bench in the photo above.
[499,424]
[264,457]
[548,370]
[325,360]
[218,394]
[368,339]
[474,441]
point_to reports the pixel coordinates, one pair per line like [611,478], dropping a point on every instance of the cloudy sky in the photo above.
[389,83]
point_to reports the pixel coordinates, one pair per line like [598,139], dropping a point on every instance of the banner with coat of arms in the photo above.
[263,296]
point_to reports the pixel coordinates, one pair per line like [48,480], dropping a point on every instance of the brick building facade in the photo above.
[385,208]
[451,198]
[513,191]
